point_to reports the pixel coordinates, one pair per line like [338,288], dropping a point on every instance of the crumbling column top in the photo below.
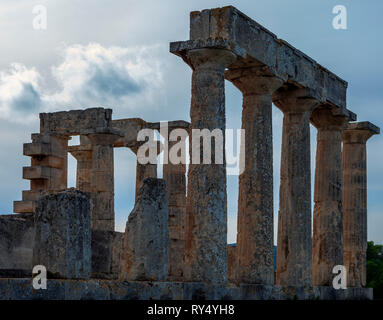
[359,132]
[102,136]
[254,80]
[331,117]
[295,100]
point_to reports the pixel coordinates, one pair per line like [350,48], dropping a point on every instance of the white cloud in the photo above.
[19,93]
[115,77]
[120,78]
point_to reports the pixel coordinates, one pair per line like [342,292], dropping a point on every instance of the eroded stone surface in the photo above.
[355,200]
[145,254]
[294,252]
[16,241]
[62,240]
[255,236]
[328,226]
[206,226]
[106,253]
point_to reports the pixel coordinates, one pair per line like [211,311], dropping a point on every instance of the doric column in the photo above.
[143,170]
[83,154]
[174,175]
[355,200]
[294,261]
[327,236]
[102,180]
[255,237]
[205,247]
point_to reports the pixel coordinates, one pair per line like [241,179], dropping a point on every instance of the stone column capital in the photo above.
[81,152]
[103,137]
[359,132]
[254,81]
[137,144]
[210,59]
[324,119]
[295,100]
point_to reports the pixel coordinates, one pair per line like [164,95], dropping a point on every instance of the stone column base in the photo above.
[21,289]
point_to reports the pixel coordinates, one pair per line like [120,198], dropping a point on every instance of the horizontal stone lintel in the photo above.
[94,289]
[228,28]
[75,122]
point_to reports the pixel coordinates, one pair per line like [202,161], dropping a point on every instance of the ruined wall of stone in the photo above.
[16,242]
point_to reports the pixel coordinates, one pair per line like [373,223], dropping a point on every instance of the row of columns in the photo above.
[302,259]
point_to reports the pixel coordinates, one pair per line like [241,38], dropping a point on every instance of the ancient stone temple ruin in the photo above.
[174,245]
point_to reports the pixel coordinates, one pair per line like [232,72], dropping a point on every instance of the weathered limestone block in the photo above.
[354,164]
[48,170]
[145,254]
[255,237]
[106,253]
[328,227]
[294,252]
[16,242]
[62,240]
[205,247]
[260,46]
[75,122]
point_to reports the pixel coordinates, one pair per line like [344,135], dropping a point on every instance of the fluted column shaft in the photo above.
[83,155]
[255,236]
[206,235]
[328,228]
[102,181]
[144,170]
[175,178]
[294,261]
[355,202]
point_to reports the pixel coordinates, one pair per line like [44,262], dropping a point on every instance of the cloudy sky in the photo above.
[116,54]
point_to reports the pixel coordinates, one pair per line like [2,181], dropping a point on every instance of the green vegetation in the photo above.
[375,269]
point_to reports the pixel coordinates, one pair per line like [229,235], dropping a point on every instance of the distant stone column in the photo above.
[62,240]
[255,237]
[294,258]
[145,256]
[83,154]
[144,170]
[328,229]
[174,175]
[102,180]
[355,200]
[206,233]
